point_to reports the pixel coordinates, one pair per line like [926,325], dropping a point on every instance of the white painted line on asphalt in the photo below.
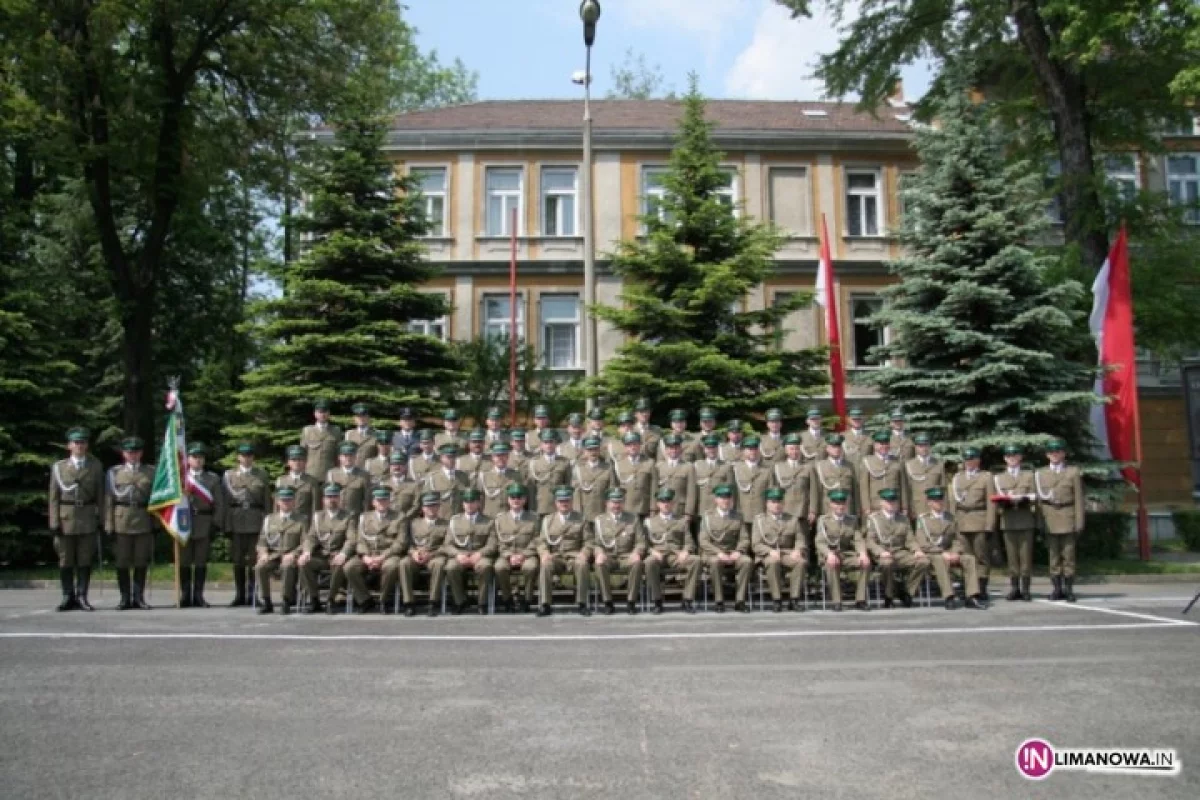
[581,637]
[1132,614]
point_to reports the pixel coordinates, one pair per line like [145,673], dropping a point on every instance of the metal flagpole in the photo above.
[512,323]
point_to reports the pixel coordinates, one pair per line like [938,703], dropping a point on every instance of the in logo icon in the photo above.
[1035,759]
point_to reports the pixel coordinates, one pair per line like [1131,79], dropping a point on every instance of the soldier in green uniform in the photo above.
[306,487]
[247,491]
[427,535]
[364,437]
[1060,495]
[617,544]
[405,440]
[448,482]
[857,439]
[518,458]
[778,543]
[669,546]
[493,482]
[541,424]
[792,474]
[355,482]
[831,473]
[563,544]
[470,544]
[678,419]
[572,445]
[651,434]
[592,477]
[936,540]
[752,477]
[494,432]
[450,433]
[595,427]
[678,475]
[708,425]
[76,500]
[725,544]
[207,516]
[636,474]
[902,446]
[729,450]
[378,466]
[516,544]
[475,460]
[771,443]
[812,441]
[710,471]
[922,472]
[331,541]
[842,550]
[546,471]
[970,489]
[888,534]
[616,445]
[278,546]
[426,457]
[406,493]
[880,470]
[1015,519]
[380,545]
[321,440]
[129,487]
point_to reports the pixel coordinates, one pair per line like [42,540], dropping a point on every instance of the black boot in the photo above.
[239,587]
[658,607]
[544,610]
[584,611]
[609,610]
[1069,593]
[185,587]
[1015,592]
[66,578]
[1057,593]
[1025,595]
[983,586]
[81,588]
[689,607]
[198,600]
[139,587]
[123,585]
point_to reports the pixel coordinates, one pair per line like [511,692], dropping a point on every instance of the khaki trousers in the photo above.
[263,573]
[903,561]
[655,568]
[242,547]
[456,577]
[389,572]
[529,573]
[134,549]
[557,565]
[624,564]
[774,572]
[1062,553]
[741,570]
[408,578]
[849,568]
[978,547]
[195,552]
[311,572]
[965,565]
[1018,546]
[75,549]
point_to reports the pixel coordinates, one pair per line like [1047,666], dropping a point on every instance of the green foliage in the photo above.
[1187,528]
[484,380]
[1104,535]
[687,341]
[637,79]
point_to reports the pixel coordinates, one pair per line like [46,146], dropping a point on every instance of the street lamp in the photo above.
[589,13]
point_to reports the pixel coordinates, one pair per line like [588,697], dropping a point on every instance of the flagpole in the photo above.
[178,593]
[1143,516]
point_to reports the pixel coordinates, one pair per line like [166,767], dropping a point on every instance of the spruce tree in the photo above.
[340,330]
[687,341]
[979,339]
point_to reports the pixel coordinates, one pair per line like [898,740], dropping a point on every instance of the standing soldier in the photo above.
[842,550]
[450,432]
[970,489]
[1015,518]
[448,482]
[592,477]
[752,478]
[76,502]
[494,434]
[518,459]
[516,544]
[669,546]
[617,544]
[545,472]
[1060,494]
[405,440]
[379,546]
[880,470]
[678,475]
[831,473]
[470,544]
[355,482]
[427,535]
[378,466]
[678,419]
[541,425]
[331,540]
[426,457]
[406,493]
[812,441]
[616,446]
[306,487]
[725,542]
[728,451]
[902,446]
[321,440]
[636,476]
[710,472]
[858,441]
[922,472]
[888,534]
[563,546]
[595,428]
[572,446]
[474,460]
[791,473]
[129,487]
[778,543]
[708,426]
[247,491]
[771,442]
[935,538]
[493,482]
[364,437]
[279,545]
[207,516]
[651,434]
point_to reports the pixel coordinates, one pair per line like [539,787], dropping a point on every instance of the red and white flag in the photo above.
[1115,424]
[827,299]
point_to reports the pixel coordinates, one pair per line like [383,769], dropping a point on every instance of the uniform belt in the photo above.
[973,508]
[75,503]
[130,505]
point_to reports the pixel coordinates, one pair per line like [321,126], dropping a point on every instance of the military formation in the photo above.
[382,512]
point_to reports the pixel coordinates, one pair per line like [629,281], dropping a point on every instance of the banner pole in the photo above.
[178,593]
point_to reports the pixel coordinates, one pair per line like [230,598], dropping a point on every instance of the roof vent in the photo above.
[815,112]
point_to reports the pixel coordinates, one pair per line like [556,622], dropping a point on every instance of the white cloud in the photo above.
[707,20]
[778,63]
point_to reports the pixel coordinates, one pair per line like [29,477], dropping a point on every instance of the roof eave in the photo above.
[633,139]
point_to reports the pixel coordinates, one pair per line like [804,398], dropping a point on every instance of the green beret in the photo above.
[425,435]
[591,443]
[774,494]
[132,443]
[471,495]
[320,405]
[195,449]
[596,413]
[672,440]
[286,493]
[615,494]
[517,433]
[243,448]
[922,438]
[450,414]
[838,496]
[540,411]
[360,409]
[792,438]
[750,442]
[381,493]
[500,449]
[935,493]
[77,435]
[477,435]
[707,413]
[431,499]
[397,458]
[549,435]
[1012,450]
[774,414]
[448,449]
[970,452]
[624,418]
[515,490]
[882,437]
[632,438]
[564,493]
[723,490]
[295,452]
[855,413]
[333,490]
[734,426]
[813,413]
[891,495]
[494,413]
[383,436]
[665,495]
[575,419]
[642,404]
[897,414]
[1055,445]
[711,440]
[834,440]
[678,415]
[345,449]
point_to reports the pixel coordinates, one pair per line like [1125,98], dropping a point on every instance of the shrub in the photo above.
[1187,528]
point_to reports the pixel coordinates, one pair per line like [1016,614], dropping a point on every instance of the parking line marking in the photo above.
[1132,614]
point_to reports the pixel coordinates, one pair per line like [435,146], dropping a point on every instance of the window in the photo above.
[497,316]
[1189,127]
[560,330]
[781,330]
[504,187]
[1121,172]
[863,206]
[432,183]
[1183,184]
[653,192]
[866,334]
[435,328]
[790,199]
[558,201]
[727,194]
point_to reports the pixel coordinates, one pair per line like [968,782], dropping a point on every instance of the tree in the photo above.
[687,341]
[636,79]
[979,339]
[341,329]
[484,381]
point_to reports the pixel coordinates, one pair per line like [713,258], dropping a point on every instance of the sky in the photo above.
[522,49]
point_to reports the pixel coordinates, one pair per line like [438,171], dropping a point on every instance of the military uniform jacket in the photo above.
[1017,516]
[936,533]
[533,440]
[473,463]
[614,448]
[722,534]
[355,483]
[516,535]
[465,536]
[76,496]
[668,534]
[572,450]
[247,499]
[729,452]
[450,488]
[367,440]
[751,481]
[377,467]
[322,445]
[709,474]
[857,443]
[771,447]
[693,445]
[282,534]
[493,483]
[428,535]
[841,537]
[1060,499]
[651,439]
[405,442]
[128,493]
[331,533]
[812,445]
[544,475]
[519,460]
[902,446]
[689,446]
[206,515]
[591,482]
[307,488]
[875,473]
[446,437]
[421,465]
[618,536]
[406,495]
[381,534]
[828,475]
[638,480]
[886,533]
[793,477]
[770,533]
[920,475]
[681,478]
[564,536]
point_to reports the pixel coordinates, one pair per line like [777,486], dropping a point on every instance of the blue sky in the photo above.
[529,48]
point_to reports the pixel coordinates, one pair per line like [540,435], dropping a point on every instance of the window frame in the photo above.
[733,192]
[444,232]
[426,324]
[520,193]
[881,221]
[484,322]
[544,193]
[1118,178]
[809,173]
[1192,214]
[884,332]
[544,324]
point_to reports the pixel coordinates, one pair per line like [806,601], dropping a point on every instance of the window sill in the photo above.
[879,237]
[527,238]
[437,239]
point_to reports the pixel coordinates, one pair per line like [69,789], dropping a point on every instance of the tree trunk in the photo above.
[137,408]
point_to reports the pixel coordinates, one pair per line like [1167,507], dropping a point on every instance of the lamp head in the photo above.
[589,12]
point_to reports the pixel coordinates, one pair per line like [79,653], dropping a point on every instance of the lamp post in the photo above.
[589,13]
